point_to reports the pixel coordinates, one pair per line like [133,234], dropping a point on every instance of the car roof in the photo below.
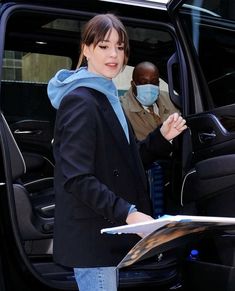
[75,3]
[164,2]
[145,3]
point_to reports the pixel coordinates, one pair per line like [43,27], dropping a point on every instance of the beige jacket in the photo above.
[141,120]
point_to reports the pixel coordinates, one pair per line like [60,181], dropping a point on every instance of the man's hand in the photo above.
[173,126]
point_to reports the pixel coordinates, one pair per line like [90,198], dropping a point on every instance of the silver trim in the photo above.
[39,180]
[47,208]
[18,131]
[49,161]
[182,189]
[200,9]
[159,4]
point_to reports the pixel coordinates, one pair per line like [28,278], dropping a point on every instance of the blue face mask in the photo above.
[147,94]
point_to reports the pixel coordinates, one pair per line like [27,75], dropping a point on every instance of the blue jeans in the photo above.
[156,184]
[96,279]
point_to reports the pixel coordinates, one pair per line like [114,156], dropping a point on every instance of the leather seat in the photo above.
[35,200]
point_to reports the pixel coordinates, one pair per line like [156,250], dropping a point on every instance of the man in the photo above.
[145,106]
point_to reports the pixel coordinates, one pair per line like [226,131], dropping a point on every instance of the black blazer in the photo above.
[98,175]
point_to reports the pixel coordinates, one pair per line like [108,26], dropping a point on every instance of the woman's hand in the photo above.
[136,217]
[173,126]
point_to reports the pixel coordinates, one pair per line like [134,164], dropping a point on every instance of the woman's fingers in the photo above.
[173,126]
[180,124]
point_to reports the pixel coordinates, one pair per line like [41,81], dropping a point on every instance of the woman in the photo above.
[99,177]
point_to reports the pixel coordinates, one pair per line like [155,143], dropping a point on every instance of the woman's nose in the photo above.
[114,52]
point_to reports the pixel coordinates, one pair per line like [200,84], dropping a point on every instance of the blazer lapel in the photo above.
[136,157]
[115,126]
[117,130]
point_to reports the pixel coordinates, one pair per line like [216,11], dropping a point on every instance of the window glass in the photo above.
[64,24]
[211,26]
[32,67]
[37,48]
[45,33]
[24,84]
[123,80]
[216,8]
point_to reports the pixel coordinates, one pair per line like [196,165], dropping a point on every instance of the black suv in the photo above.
[193,44]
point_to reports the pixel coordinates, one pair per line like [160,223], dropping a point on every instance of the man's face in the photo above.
[143,76]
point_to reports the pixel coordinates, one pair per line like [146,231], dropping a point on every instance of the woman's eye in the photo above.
[103,47]
[121,48]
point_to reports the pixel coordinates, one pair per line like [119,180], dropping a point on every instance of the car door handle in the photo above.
[34,132]
[206,136]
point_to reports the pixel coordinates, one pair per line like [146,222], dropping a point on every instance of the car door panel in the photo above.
[33,135]
[208,178]
[209,137]
[34,138]
[211,175]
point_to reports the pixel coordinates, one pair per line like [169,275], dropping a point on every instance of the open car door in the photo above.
[205,183]
[206,32]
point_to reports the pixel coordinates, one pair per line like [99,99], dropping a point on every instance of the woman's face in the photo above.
[107,58]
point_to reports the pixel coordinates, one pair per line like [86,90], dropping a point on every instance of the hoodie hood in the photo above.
[66,81]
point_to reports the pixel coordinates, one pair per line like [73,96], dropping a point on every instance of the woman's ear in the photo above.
[86,51]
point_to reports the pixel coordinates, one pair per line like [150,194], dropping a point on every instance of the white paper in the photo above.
[149,226]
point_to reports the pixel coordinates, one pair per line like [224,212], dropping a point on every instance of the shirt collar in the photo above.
[134,106]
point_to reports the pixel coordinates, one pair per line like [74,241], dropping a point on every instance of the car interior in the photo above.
[37,45]
[39,42]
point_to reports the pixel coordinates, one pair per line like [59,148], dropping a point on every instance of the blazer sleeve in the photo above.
[154,147]
[76,121]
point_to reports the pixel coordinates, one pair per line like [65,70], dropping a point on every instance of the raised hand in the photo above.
[173,126]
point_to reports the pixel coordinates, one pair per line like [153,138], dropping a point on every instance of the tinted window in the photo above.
[41,45]
[222,9]
[32,67]
[211,27]
[24,84]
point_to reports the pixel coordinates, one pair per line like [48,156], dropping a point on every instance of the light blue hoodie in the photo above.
[66,81]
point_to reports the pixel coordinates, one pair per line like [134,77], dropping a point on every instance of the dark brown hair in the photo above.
[96,29]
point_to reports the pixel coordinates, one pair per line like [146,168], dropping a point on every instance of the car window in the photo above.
[24,82]
[57,47]
[32,67]
[211,27]
[222,9]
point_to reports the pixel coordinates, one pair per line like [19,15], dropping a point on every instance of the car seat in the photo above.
[34,201]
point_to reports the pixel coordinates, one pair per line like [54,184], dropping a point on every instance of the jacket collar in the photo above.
[133,105]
